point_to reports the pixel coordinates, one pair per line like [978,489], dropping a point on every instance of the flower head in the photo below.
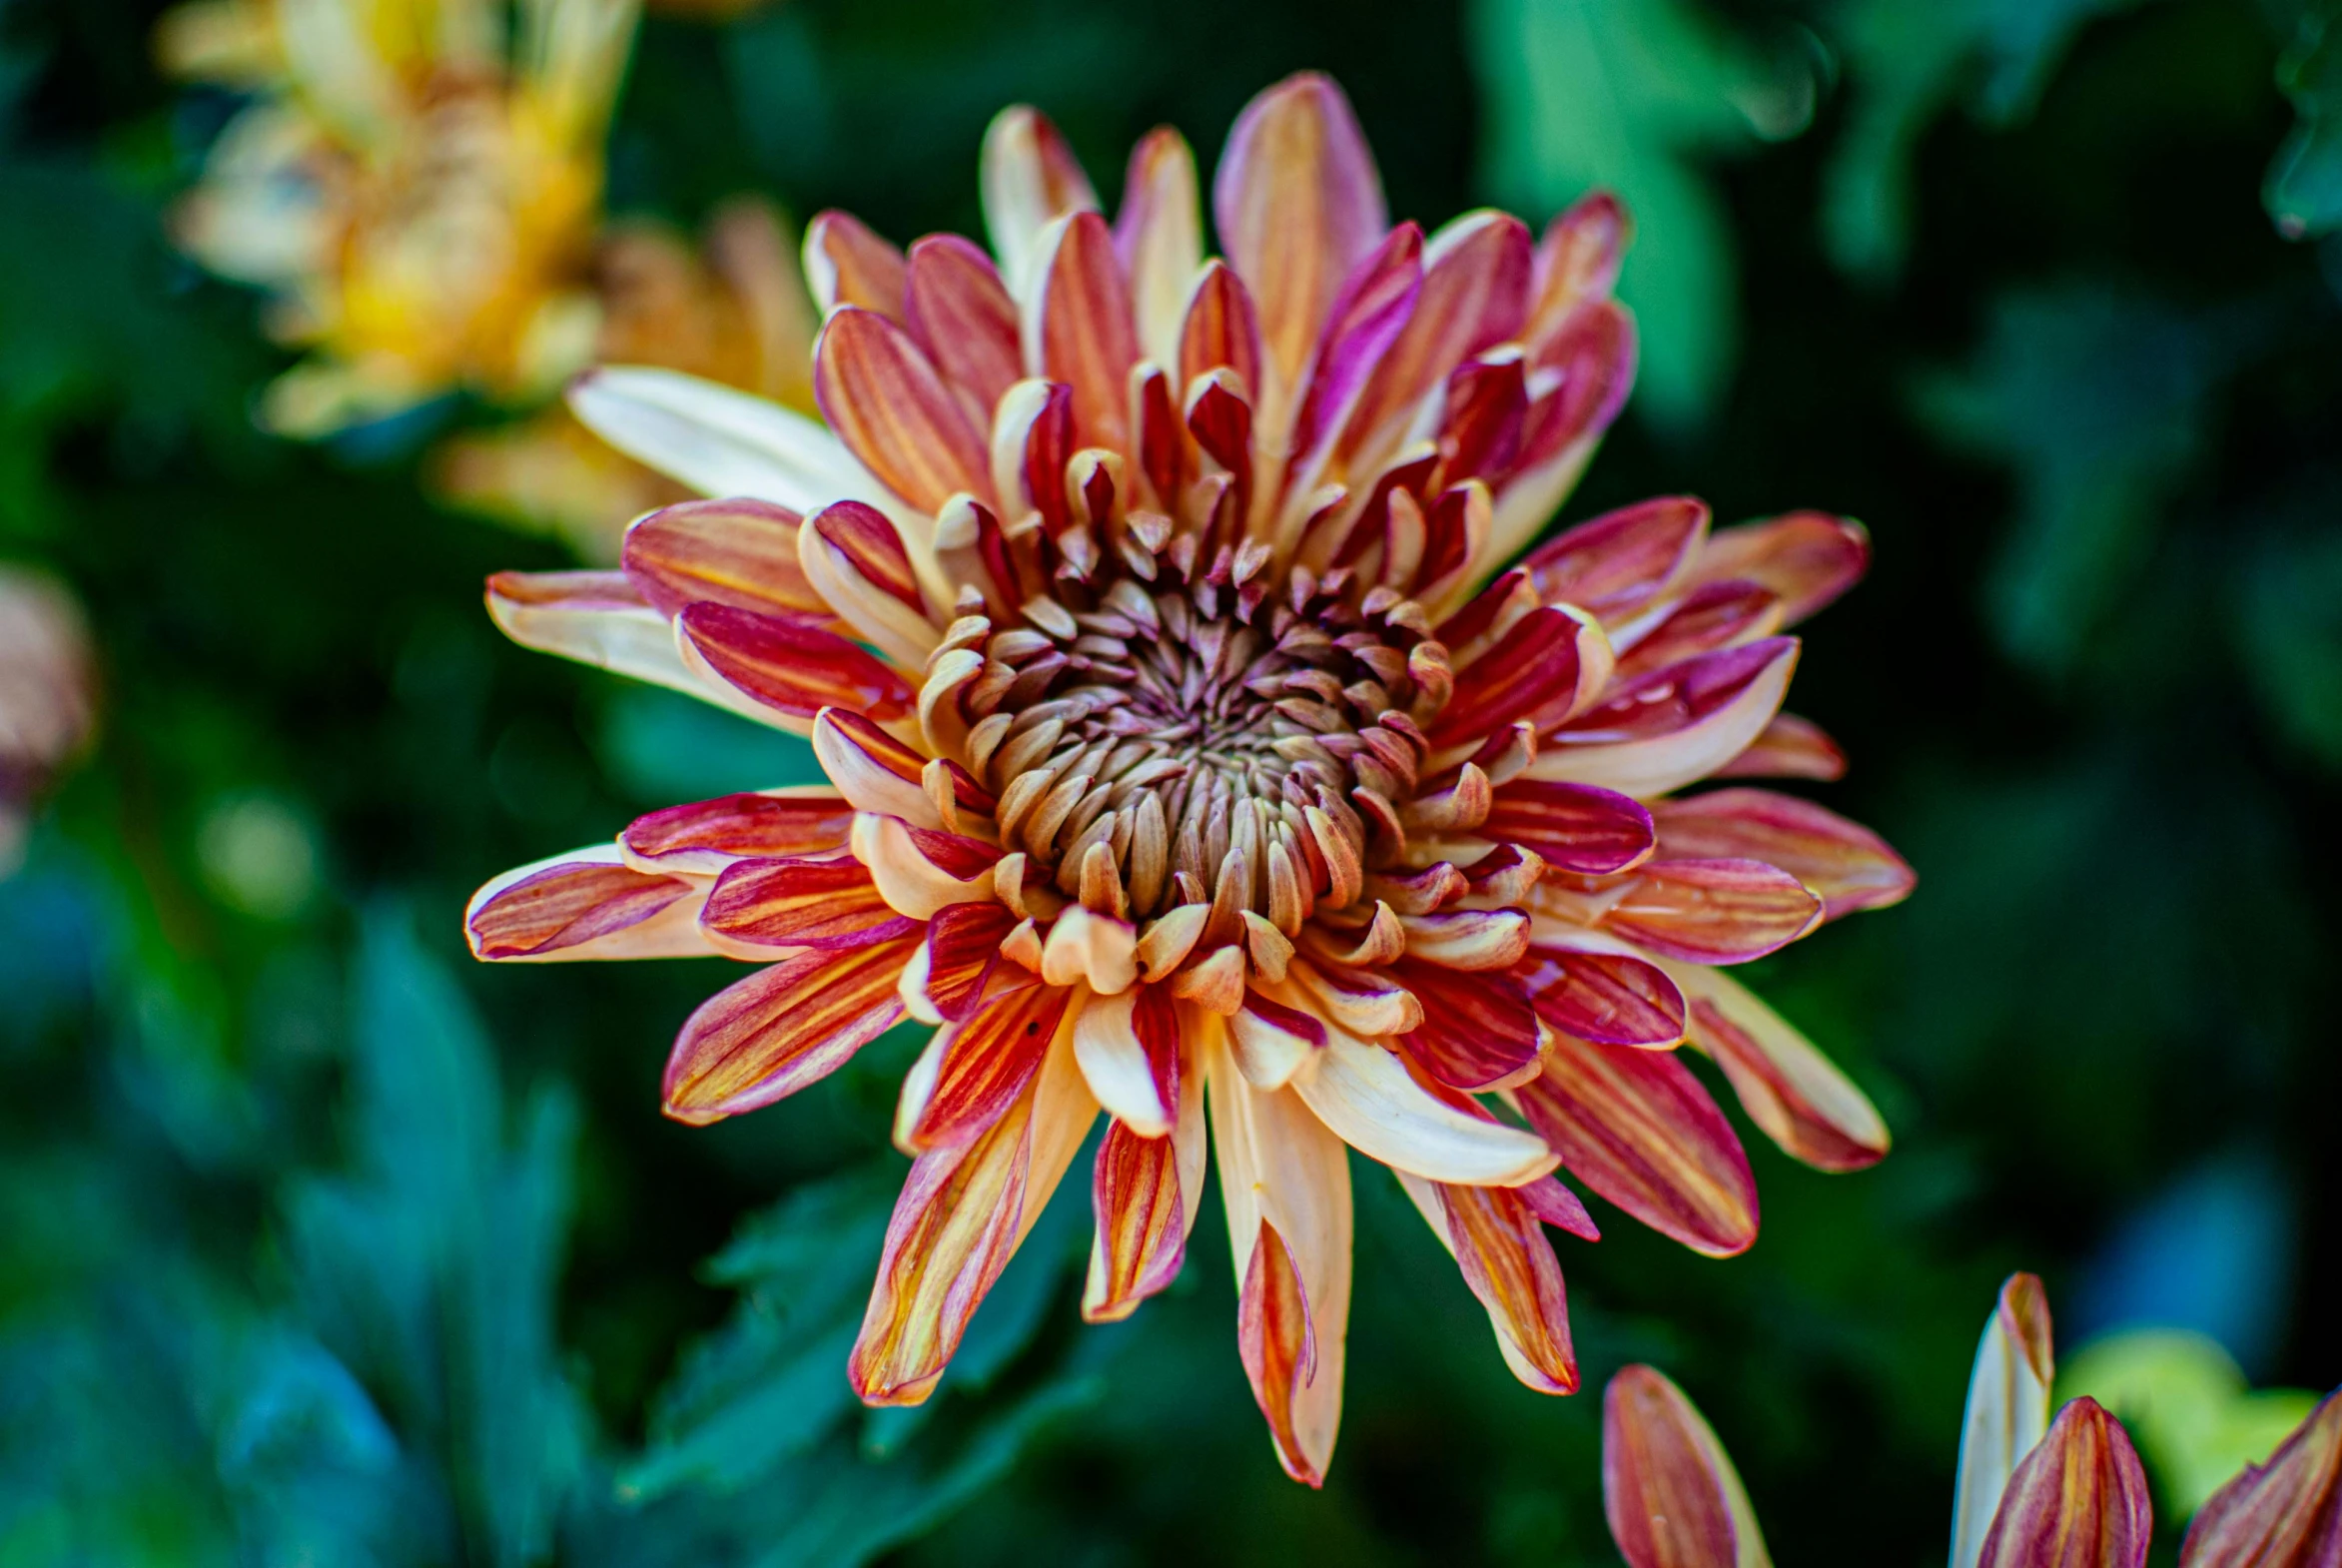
[1191,760]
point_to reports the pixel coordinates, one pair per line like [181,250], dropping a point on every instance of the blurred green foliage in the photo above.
[317,1247]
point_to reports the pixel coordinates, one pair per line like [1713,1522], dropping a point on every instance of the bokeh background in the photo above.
[319,1245]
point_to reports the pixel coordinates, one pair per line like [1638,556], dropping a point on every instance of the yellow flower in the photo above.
[1195,761]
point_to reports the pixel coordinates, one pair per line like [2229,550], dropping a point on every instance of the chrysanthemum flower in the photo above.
[1192,761]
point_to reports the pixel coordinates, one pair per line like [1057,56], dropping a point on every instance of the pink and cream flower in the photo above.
[1191,760]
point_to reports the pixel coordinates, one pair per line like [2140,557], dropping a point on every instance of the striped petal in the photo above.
[1129,1048]
[1539,672]
[1807,558]
[1500,1247]
[1669,1490]
[601,618]
[1365,1093]
[1618,564]
[1158,237]
[1794,1092]
[855,560]
[1366,316]
[1222,329]
[961,314]
[974,1069]
[786,904]
[2007,1411]
[921,871]
[584,905]
[790,667]
[1713,615]
[1572,827]
[709,835]
[1081,334]
[1605,999]
[1145,1192]
[962,951]
[1474,295]
[1284,1179]
[1271,1041]
[2079,1499]
[2286,1513]
[873,771]
[1637,1128]
[893,411]
[1788,748]
[1577,261]
[715,439]
[784,1026]
[1030,177]
[738,551]
[962,1214]
[1590,366]
[1848,865]
[1713,911]
[1676,726]
[1298,202]
[1478,1031]
[846,263]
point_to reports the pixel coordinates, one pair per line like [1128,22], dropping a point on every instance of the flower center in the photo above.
[1220,736]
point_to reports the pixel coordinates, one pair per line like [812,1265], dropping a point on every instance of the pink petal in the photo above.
[963,951]
[1085,334]
[1222,329]
[1619,563]
[1794,1092]
[1668,1491]
[1367,313]
[580,909]
[847,263]
[961,316]
[1809,558]
[1850,867]
[1713,911]
[1675,726]
[893,410]
[2284,1513]
[738,551]
[1532,674]
[784,1026]
[1788,748]
[1712,616]
[1607,999]
[792,667]
[1030,179]
[799,903]
[1474,295]
[1477,1029]
[1572,827]
[708,835]
[984,1062]
[1159,238]
[2079,1499]
[1577,261]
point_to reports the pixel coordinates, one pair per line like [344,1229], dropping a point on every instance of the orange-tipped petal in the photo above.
[585,905]
[975,1068]
[1669,1490]
[894,411]
[737,551]
[1607,999]
[708,835]
[1572,827]
[784,1026]
[2079,1499]
[784,904]
[2007,1410]
[1713,911]
[1618,564]
[1792,1091]
[962,1214]
[2286,1513]
[1637,1128]
[961,313]
[1848,865]
[847,262]
[1789,748]
[1030,177]
[1676,726]
[1145,1192]
[1159,235]
[1500,1246]
[1298,202]
[1222,329]
[1081,326]
[1809,558]
[793,668]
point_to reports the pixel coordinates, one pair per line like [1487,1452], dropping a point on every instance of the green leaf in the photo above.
[2303,190]
[2289,633]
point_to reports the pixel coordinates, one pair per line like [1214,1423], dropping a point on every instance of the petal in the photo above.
[1669,1490]
[1848,865]
[1284,1179]
[2079,1499]
[715,439]
[961,314]
[1618,564]
[1474,295]
[1637,1128]
[1366,1096]
[584,905]
[708,835]
[1788,1088]
[2286,1513]
[2007,1411]
[921,871]
[962,1214]
[790,667]
[846,263]
[1572,827]
[1713,911]
[855,558]
[768,904]
[737,551]
[1676,726]
[1158,237]
[1271,1041]
[1713,615]
[1607,999]
[1495,1238]
[1129,1048]
[1298,202]
[1590,367]
[873,771]
[893,411]
[1374,306]
[1788,748]
[784,1026]
[601,618]
[974,1069]
[1082,332]
[1030,179]
[1145,1192]
[963,951]
[1539,672]
[1809,558]
[1577,261]
[1221,330]
[1478,1030]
